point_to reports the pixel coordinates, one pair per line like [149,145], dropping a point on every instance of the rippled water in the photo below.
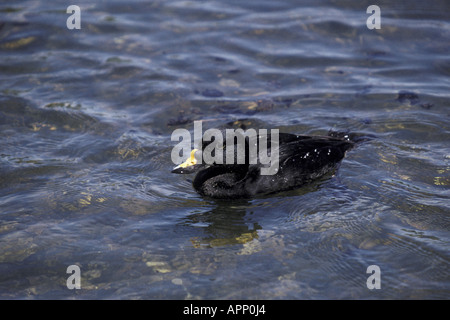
[86,118]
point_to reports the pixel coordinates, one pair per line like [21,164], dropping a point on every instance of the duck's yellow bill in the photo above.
[191,161]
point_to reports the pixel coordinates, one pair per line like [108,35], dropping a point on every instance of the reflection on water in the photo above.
[223,225]
[86,118]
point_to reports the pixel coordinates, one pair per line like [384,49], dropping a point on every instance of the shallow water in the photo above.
[86,118]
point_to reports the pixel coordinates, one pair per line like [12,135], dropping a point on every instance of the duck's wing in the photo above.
[310,152]
[300,150]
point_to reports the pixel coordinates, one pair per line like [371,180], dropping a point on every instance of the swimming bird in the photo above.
[302,159]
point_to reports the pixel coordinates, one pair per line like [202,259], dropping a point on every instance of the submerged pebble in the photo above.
[212,93]
[407,96]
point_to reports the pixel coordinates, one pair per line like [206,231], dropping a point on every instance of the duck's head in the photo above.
[214,153]
[191,165]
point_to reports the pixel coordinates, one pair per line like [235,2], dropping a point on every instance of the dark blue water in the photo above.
[86,118]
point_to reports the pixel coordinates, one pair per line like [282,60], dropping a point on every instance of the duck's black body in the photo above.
[302,159]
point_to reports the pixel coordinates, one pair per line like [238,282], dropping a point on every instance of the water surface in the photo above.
[86,118]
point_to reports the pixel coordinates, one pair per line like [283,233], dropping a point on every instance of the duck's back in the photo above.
[302,159]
